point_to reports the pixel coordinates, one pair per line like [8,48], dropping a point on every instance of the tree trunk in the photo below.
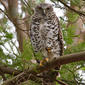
[18,23]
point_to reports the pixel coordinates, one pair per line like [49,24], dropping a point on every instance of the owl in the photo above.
[45,32]
[46,35]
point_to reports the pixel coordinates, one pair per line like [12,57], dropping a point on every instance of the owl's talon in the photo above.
[47,59]
[42,62]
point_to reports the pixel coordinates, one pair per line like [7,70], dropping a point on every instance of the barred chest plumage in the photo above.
[45,33]
[49,35]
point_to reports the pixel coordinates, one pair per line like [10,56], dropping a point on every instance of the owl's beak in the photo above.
[44,12]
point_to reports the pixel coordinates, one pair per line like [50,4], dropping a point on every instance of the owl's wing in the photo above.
[60,37]
[35,34]
[35,38]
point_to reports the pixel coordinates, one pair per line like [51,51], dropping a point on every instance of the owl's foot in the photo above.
[42,62]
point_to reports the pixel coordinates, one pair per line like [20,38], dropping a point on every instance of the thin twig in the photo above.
[11,47]
[3,12]
[15,46]
[73,75]
[61,82]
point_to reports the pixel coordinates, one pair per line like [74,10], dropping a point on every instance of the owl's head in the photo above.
[44,9]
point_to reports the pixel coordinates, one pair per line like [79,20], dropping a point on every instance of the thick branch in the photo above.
[7,70]
[47,66]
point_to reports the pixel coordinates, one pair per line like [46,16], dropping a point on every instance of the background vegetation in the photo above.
[15,47]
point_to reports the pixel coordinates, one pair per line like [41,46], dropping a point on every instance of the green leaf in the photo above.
[9,35]
[75,2]
[1,28]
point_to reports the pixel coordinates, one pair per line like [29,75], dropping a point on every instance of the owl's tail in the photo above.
[49,77]
[48,83]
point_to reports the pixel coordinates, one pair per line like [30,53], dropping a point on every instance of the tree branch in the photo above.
[8,70]
[76,11]
[61,82]
[5,4]
[47,66]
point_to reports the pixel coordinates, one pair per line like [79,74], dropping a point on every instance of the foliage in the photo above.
[69,73]
[40,1]
[75,2]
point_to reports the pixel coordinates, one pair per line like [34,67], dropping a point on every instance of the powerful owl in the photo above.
[45,32]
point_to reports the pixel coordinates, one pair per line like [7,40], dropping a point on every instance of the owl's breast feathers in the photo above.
[46,35]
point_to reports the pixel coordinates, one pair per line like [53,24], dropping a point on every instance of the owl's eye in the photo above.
[48,8]
[39,8]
